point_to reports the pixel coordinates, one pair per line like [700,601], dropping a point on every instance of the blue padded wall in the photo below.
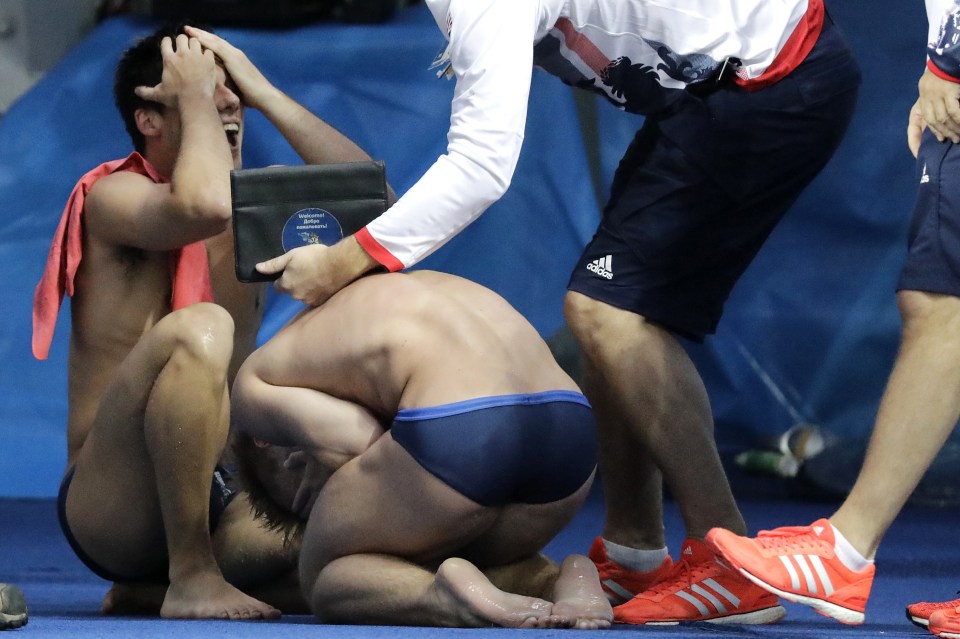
[809,334]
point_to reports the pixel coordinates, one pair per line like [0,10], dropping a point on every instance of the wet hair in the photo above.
[142,65]
[252,462]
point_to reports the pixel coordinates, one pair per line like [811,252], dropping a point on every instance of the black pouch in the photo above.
[280,208]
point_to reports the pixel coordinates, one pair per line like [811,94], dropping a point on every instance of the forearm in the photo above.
[328,428]
[315,141]
[200,181]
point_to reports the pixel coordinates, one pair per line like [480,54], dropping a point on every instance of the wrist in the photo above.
[356,260]
[265,99]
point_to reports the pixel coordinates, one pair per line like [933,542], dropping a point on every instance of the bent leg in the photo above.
[139,500]
[387,590]
[919,409]
[362,559]
[649,397]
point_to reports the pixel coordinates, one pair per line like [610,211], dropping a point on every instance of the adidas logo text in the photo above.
[602,267]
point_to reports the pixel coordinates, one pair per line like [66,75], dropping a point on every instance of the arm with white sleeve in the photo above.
[491,53]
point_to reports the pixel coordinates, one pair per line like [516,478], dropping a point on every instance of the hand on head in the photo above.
[252,84]
[187,69]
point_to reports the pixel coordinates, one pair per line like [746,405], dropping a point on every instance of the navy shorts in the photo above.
[702,186]
[531,449]
[221,494]
[933,257]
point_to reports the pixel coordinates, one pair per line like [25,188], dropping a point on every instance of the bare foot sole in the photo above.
[578,595]
[208,596]
[133,599]
[479,603]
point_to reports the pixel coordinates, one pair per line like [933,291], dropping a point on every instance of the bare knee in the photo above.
[201,332]
[604,330]
[929,314]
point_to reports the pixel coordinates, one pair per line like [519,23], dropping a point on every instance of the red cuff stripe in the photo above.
[376,250]
[940,73]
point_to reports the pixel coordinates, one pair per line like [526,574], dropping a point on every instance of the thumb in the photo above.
[146,93]
[275,265]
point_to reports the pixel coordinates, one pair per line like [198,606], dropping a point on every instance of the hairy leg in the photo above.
[653,390]
[140,494]
[919,410]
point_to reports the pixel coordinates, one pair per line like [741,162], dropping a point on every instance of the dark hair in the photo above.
[252,462]
[141,65]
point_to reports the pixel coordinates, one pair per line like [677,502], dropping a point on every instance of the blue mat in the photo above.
[919,560]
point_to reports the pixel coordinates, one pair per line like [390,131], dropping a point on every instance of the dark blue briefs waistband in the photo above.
[534,448]
[468,405]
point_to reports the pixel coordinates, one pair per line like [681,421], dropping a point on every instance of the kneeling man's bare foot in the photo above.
[577,594]
[133,599]
[208,596]
[478,603]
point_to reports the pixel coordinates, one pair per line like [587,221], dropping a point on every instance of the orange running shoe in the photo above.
[919,613]
[945,623]
[799,564]
[621,584]
[699,588]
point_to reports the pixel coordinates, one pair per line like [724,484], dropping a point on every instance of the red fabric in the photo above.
[377,251]
[940,73]
[188,265]
[794,51]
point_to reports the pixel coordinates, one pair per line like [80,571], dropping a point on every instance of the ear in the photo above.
[259,443]
[149,122]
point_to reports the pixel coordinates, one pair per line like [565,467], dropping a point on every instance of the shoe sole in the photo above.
[12,622]
[755,617]
[918,621]
[841,614]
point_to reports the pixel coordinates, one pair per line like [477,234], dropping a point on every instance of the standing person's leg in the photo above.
[138,502]
[918,410]
[652,411]
[694,199]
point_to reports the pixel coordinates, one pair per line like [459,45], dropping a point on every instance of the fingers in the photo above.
[208,40]
[277,264]
[915,126]
[940,105]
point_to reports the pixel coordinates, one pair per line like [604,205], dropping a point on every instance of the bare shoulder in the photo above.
[116,199]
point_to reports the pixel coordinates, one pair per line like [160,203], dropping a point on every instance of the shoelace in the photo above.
[683,573]
[790,538]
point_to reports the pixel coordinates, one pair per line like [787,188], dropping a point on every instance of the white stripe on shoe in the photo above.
[807,574]
[618,594]
[822,573]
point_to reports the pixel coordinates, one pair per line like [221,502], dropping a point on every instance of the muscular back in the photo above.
[397,340]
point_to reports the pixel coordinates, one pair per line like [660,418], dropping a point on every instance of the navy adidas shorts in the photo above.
[701,187]
[933,257]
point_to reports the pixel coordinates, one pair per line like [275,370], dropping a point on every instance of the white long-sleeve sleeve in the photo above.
[491,53]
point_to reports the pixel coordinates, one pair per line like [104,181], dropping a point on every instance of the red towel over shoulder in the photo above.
[188,265]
